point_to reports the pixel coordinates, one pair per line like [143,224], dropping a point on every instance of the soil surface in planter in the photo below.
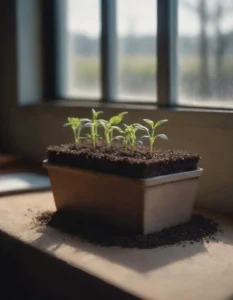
[115,161]
[199,229]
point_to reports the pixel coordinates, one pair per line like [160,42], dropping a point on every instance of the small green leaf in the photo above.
[117,119]
[66,124]
[149,122]
[145,137]
[84,120]
[141,127]
[87,125]
[160,123]
[116,128]
[95,114]
[162,136]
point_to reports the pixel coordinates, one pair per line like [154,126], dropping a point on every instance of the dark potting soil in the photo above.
[115,161]
[43,218]
[199,229]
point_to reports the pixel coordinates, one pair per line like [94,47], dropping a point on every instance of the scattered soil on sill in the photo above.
[137,165]
[43,218]
[199,229]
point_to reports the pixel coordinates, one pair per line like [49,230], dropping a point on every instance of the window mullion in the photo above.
[108,50]
[54,41]
[167,31]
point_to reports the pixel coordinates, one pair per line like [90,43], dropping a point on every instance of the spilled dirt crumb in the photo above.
[43,218]
[199,230]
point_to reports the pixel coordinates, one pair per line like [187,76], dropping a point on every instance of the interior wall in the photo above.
[28,130]
[8,84]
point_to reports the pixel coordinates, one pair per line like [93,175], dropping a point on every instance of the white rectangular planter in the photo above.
[169,200]
[139,205]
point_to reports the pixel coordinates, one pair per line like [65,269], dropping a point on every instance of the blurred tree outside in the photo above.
[213,47]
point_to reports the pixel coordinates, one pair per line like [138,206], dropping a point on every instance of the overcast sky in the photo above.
[138,16]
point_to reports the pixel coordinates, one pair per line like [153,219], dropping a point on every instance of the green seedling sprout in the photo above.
[110,126]
[125,136]
[129,136]
[94,124]
[151,132]
[76,125]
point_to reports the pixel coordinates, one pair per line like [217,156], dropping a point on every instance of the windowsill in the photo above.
[153,273]
[177,116]
[87,103]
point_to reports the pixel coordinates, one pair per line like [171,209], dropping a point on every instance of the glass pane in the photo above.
[136,33]
[206,53]
[83,48]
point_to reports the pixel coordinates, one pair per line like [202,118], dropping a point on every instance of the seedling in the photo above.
[76,125]
[151,132]
[129,136]
[94,124]
[110,126]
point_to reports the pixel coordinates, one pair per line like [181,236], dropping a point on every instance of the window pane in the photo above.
[136,33]
[83,48]
[206,53]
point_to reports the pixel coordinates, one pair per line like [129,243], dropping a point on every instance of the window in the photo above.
[83,49]
[136,33]
[135,54]
[206,53]
[142,63]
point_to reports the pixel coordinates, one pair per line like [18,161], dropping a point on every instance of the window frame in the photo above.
[53,34]
[167,76]
[53,77]
[167,56]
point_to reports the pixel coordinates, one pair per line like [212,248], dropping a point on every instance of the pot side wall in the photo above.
[114,199]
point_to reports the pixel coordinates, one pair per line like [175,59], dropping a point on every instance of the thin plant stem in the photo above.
[126,146]
[93,137]
[151,147]
[75,137]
